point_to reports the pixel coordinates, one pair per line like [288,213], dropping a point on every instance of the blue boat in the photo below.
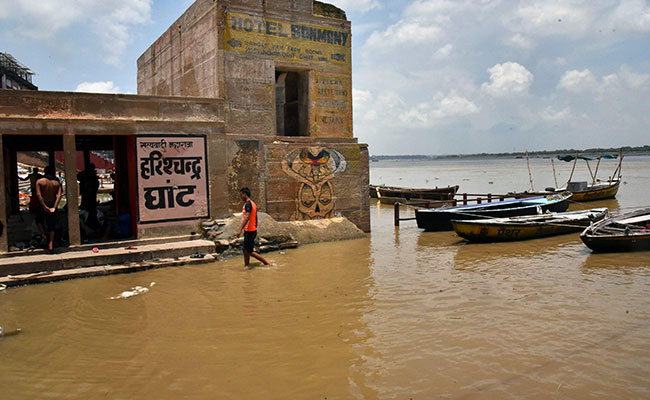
[439,219]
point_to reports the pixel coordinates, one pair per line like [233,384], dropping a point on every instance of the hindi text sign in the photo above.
[172,178]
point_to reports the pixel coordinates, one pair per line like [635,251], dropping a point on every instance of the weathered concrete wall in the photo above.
[183,61]
[317,47]
[250,90]
[332,94]
[276,6]
[246,169]
[64,106]
[232,49]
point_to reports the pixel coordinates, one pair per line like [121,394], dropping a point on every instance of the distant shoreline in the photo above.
[592,152]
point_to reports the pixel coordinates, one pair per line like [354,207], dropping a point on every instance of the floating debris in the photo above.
[9,332]
[2,287]
[133,292]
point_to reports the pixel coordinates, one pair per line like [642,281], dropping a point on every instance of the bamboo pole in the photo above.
[554,176]
[396,214]
[589,167]
[593,181]
[618,167]
[572,169]
[530,176]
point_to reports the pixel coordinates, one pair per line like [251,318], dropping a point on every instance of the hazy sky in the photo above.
[429,76]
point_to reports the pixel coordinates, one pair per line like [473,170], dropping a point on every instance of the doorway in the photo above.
[291,100]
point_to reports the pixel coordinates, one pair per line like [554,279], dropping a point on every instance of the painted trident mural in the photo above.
[314,168]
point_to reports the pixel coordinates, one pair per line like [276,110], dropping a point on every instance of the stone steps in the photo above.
[12,268]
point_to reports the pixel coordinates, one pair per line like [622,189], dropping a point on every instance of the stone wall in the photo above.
[250,90]
[232,49]
[183,61]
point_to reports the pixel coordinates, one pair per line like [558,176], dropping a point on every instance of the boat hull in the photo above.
[524,228]
[440,219]
[608,244]
[598,192]
[392,195]
[627,232]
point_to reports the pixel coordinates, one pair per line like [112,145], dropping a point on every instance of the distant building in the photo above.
[14,75]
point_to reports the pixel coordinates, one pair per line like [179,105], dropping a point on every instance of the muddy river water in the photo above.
[402,314]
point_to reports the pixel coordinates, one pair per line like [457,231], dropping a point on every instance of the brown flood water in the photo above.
[402,314]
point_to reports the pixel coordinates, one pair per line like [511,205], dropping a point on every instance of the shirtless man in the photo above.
[48,192]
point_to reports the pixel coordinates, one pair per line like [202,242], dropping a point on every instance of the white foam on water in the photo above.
[135,291]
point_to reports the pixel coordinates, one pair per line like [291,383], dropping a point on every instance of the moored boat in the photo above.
[627,232]
[527,226]
[393,194]
[439,219]
[581,191]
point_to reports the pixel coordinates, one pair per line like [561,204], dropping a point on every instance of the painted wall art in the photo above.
[314,168]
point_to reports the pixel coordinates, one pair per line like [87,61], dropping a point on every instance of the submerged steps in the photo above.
[90,261]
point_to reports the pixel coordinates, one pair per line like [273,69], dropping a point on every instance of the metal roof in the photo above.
[7,61]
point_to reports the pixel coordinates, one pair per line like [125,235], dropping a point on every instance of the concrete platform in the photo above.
[91,260]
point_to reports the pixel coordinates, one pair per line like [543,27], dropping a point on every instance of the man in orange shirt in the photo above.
[249,226]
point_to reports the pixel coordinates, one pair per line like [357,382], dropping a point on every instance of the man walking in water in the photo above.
[48,193]
[249,226]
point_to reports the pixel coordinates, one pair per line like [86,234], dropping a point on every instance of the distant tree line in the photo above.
[594,151]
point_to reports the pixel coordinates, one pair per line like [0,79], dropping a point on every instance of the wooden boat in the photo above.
[439,219]
[627,232]
[392,194]
[581,191]
[527,226]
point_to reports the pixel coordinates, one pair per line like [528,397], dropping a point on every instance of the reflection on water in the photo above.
[402,314]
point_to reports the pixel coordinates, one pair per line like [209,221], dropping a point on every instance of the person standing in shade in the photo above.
[249,226]
[34,205]
[88,186]
[48,193]
[32,177]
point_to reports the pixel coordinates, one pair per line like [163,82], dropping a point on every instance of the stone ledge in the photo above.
[32,264]
[101,270]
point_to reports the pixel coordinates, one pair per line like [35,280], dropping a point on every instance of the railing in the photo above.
[465,199]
